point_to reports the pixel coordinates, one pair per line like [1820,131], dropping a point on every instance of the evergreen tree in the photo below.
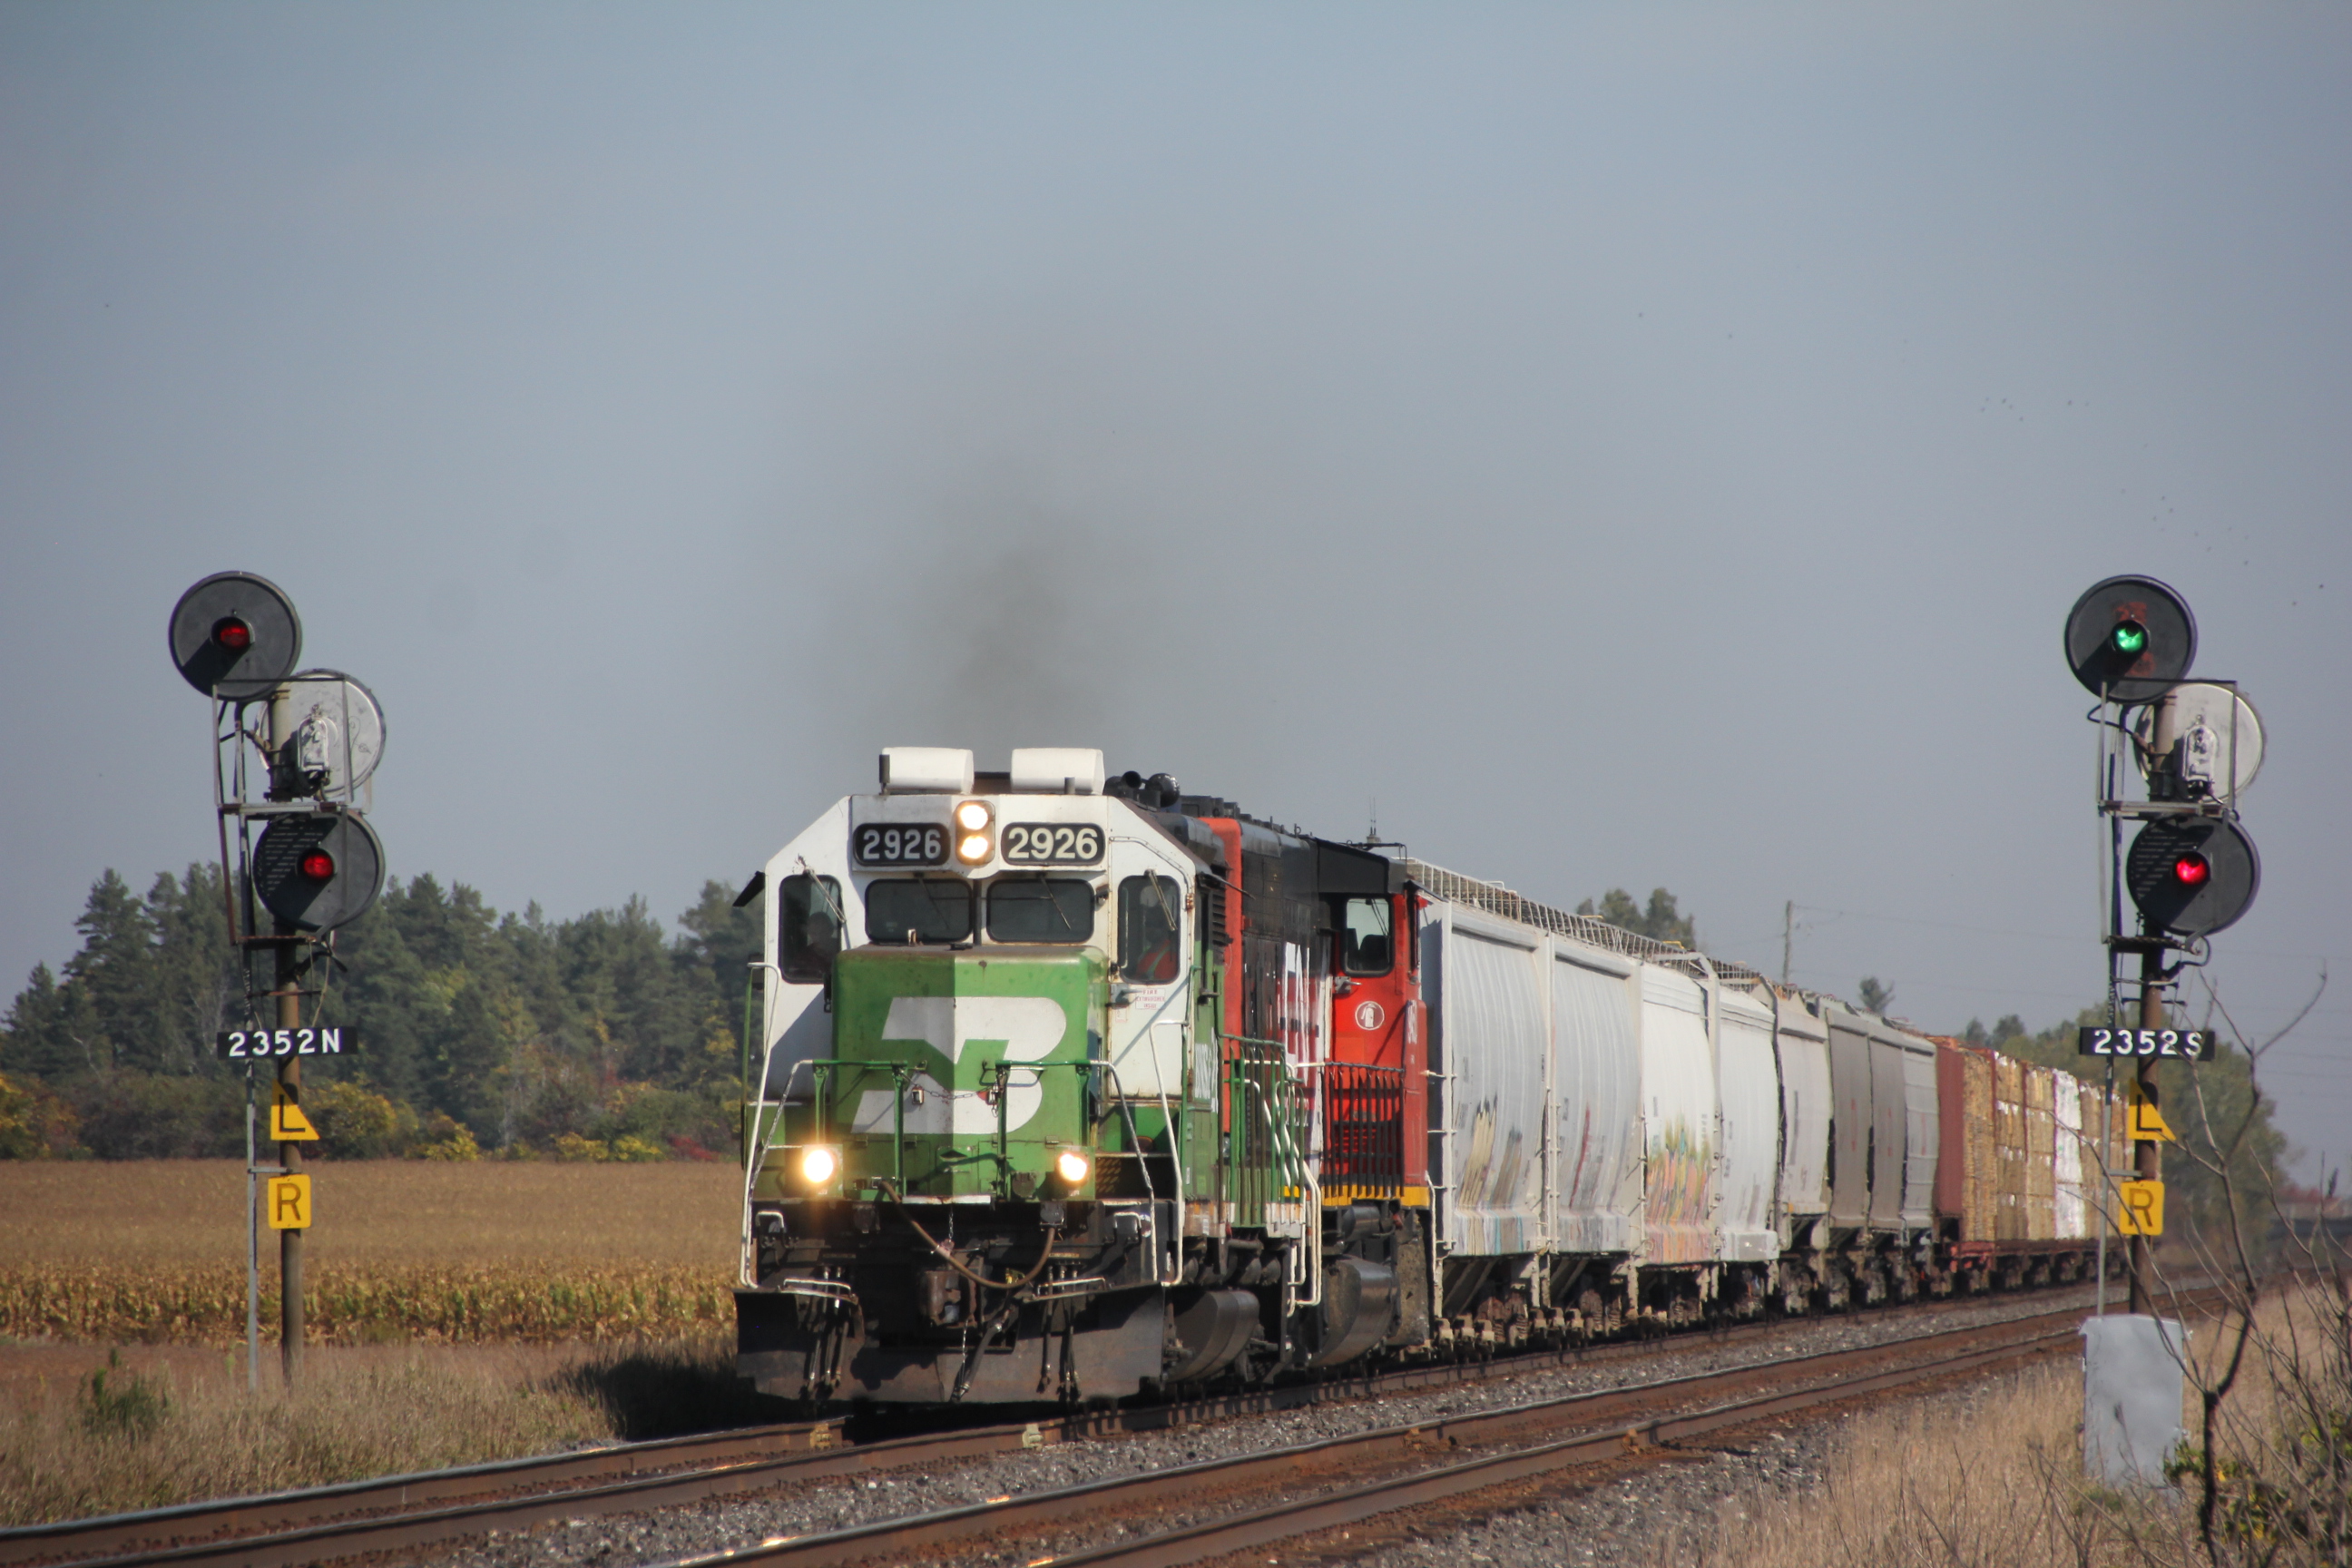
[1662,922]
[116,970]
[199,988]
[52,1031]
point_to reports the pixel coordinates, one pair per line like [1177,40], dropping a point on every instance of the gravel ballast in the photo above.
[803,1507]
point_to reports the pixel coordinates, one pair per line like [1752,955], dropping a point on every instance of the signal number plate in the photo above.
[2193,1045]
[900,844]
[1052,843]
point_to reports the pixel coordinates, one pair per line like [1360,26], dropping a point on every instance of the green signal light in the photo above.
[2130,636]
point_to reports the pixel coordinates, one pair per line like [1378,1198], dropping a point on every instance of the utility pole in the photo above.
[1788,936]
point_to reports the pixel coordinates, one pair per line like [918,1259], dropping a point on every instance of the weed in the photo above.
[122,1403]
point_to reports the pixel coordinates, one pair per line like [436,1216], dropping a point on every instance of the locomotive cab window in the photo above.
[902,909]
[1150,928]
[808,926]
[1041,908]
[1367,944]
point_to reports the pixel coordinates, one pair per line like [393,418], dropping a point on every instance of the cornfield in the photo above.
[534,1303]
[153,1252]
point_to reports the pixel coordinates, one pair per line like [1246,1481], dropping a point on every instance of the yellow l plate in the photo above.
[2147,1123]
[286,1122]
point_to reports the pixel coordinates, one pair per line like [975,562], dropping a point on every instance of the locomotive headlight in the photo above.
[1072,1165]
[818,1165]
[974,841]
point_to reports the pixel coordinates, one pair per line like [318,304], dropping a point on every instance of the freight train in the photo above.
[1069,1086]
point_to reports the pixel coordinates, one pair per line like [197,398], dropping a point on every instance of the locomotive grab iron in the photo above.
[1068,1086]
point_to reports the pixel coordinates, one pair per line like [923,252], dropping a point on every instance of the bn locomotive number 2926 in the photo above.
[1052,843]
[900,844]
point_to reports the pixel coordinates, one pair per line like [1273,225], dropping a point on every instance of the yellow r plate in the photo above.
[2142,1210]
[287,1203]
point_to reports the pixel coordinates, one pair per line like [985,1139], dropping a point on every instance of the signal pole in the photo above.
[316,866]
[2148,1156]
[2191,869]
[288,978]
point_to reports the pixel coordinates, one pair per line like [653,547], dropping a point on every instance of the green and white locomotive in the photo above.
[1037,1102]
[1069,1086]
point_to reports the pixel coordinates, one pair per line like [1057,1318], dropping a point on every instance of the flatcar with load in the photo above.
[1068,1087]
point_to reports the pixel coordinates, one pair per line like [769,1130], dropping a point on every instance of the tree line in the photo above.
[600,1037]
[606,1035]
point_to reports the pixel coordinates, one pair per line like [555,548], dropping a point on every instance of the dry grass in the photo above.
[1963,1483]
[361,1413]
[1993,1479]
[501,1268]
[154,1251]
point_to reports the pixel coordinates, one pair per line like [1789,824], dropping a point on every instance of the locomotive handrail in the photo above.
[1363,1128]
[1277,1099]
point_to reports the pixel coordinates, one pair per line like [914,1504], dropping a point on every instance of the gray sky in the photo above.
[1631,444]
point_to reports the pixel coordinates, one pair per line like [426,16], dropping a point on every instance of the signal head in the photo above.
[2130,639]
[318,873]
[235,636]
[2192,875]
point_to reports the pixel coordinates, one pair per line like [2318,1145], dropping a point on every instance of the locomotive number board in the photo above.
[2185,1045]
[1052,843]
[256,1044]
[899,843]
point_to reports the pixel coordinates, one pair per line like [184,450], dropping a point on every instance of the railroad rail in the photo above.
[1604,1424]
[405,1512]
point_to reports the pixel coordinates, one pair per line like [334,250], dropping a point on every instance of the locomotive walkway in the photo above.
[1251,1496]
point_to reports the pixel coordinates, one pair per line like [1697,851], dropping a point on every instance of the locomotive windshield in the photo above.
[1041,908]
[919,909]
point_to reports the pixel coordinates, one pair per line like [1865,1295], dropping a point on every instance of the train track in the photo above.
[1255,1499]
[405,1512]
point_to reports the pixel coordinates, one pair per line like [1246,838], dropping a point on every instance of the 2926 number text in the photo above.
[1052,843]
[900,844]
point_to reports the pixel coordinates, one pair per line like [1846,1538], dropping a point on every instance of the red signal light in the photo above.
[2191,869]
[318,866]
[233,634]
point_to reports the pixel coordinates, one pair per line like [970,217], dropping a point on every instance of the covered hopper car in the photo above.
[1068,1087]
